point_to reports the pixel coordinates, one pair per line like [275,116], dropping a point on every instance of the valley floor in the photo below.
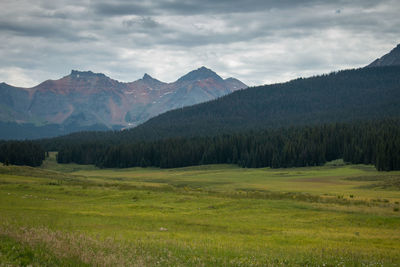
[206,215]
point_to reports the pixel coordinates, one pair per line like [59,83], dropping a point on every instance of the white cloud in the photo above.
[18,76]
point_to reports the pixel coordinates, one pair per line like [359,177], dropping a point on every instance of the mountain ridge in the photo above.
[85,98]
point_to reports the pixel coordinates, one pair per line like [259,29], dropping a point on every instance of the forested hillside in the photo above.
[369,143]
[350,95]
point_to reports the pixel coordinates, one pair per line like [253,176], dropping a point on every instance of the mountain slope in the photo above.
[13,103]
[349,95]
[87,100]
[367,93]
[390,59]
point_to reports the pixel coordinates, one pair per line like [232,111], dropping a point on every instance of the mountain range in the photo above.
[84,100]
[364,94]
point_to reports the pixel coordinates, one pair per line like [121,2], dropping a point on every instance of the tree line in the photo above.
[21,153]
[375,143]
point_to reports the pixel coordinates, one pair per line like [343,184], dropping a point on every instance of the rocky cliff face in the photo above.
[84,98]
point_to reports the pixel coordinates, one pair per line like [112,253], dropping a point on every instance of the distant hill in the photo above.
[390,59]
[84,100]
[350,95]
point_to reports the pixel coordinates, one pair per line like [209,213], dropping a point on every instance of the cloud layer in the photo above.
[256,41]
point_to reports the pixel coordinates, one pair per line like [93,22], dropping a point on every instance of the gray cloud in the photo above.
[30,29]
[257,41]
[143,22]
[193,7]
[122,8]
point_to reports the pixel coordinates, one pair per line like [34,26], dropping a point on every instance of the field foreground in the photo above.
[208,215]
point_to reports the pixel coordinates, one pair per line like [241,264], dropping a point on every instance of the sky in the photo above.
[255,41]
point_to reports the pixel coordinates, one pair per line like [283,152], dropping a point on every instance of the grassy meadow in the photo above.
[221,215]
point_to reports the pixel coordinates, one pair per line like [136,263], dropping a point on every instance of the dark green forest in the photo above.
[375,143]
[21,153]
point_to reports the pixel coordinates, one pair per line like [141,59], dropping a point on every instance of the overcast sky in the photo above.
[256,41]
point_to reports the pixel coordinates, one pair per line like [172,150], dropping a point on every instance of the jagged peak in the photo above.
[80,74]
[150,80]
[147,77]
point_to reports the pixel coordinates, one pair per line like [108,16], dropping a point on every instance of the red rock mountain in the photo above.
[84,98]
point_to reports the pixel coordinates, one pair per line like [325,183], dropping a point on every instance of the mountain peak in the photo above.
[200,74]
[390,59]
[203,68]
[85,74]
[147,77]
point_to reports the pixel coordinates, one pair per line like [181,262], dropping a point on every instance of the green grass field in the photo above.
[219,215]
